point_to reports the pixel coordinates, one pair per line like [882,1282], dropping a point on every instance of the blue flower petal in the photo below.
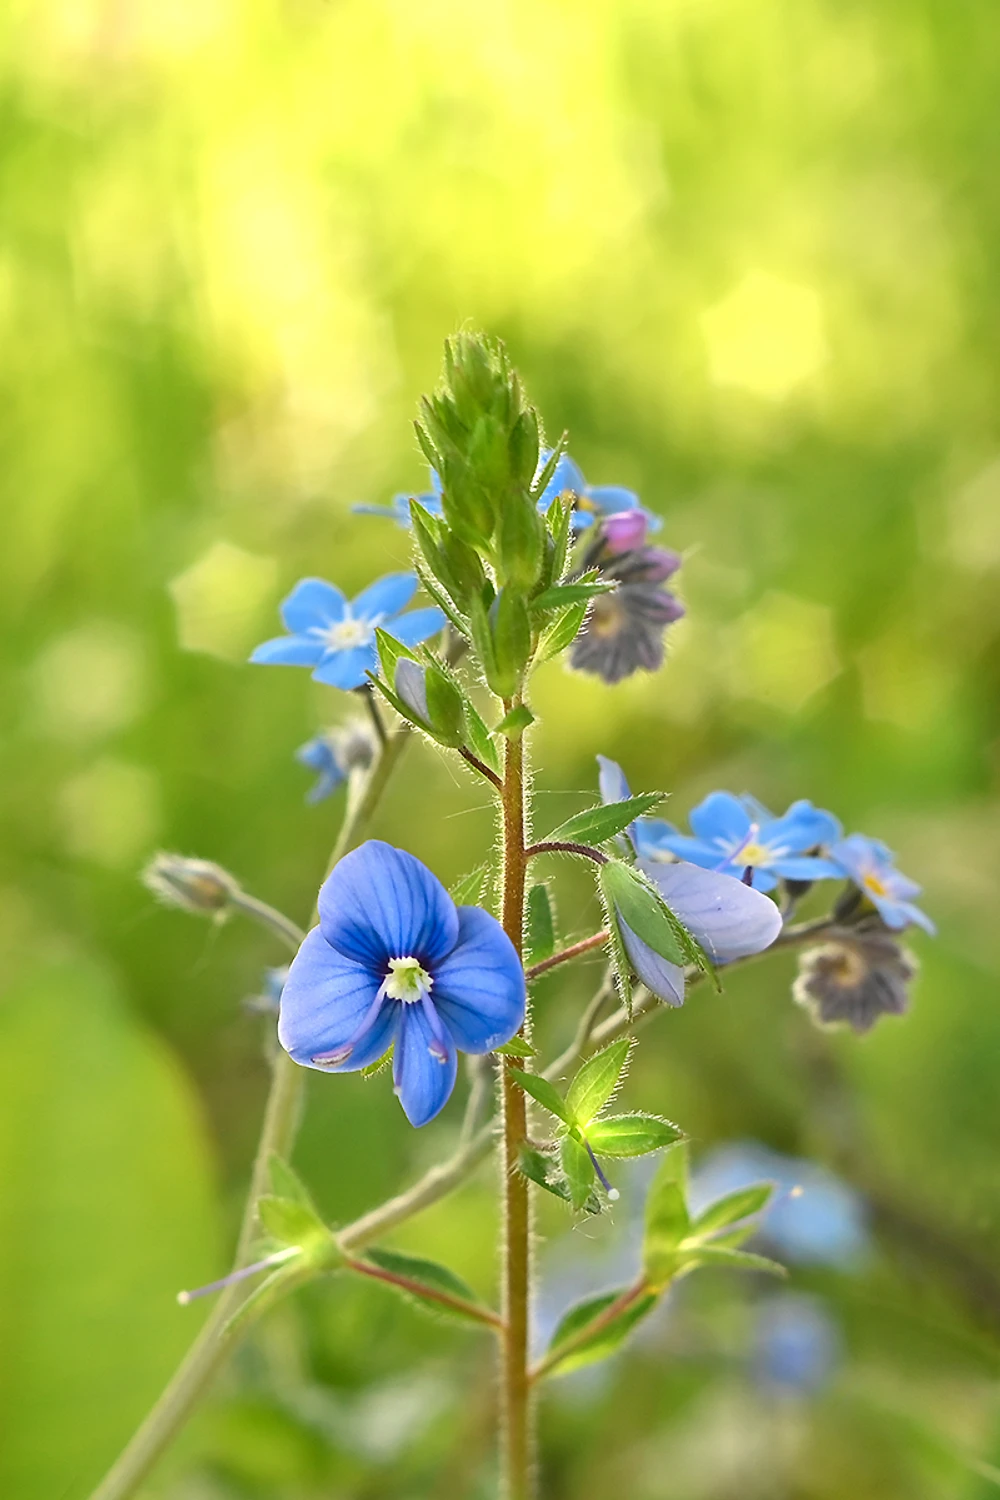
[917,917]
[728,918]
[419,625]
[347,669]
[609,499]
[806,867]
[386,597]
[652,837]
[479,989]
[324,1000]
[313,602]
[380,903]
[567,477]
[422,1080]
[658,975]
[709,856]
[614,787]
[288,651]
[721,817]
[802,827]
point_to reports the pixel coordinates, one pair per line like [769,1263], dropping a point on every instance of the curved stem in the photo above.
[428,1293]
[281,1121]
[481,767]
[558,846]
[595,940]
[589,1331]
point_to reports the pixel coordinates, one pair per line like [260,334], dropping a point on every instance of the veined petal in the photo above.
[919,918]
[419,625]
[802,827]
[614,787]
[324,1000]
[380,903]
[313,602]
[346,669]
[385,597]
[288,651]
[729,919]
[479,988]
[721,819]
[663,978]
[652,837]
[422,1080]
[608,499]
[806,867]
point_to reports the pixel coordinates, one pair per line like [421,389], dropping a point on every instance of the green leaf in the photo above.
[377,1066]
[542,1091]
[607,1339]
[561,594]
[596,1081]
[562,632]
[439,597]
[468,891]
[548,469]
[286,1182]
[579,1170]
[735,1260]
[667,1218]
[541,1169]
[636,902]
[598,824]
[733,1207]
[107,1209]
[291,1222]
[514,724]
[540,932]
[481,742]
[389,652]
[631,1135]
[428,1273]
[516,1047]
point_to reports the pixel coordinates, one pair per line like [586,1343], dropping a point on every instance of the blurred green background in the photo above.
[747,252]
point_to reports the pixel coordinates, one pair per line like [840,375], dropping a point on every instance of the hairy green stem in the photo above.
[461,1305]
[281,1121]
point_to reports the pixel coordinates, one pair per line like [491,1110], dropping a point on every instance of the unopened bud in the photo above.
[624,531]
[195,885]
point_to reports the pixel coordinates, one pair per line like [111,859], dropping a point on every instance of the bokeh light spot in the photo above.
[220,601]
[766,336]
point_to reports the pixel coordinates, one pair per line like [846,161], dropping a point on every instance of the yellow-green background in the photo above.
[748,253]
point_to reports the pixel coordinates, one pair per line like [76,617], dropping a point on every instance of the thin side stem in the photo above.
[281,1121]
[480,766]
[589,1331]
[428,1294]
[558,846]
[269,916]
[516,1413]
[565,954]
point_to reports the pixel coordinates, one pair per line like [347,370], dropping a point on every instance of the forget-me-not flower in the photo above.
[734,834]
[795,1343]
[855,977]
[395,963]
[591,502]
[398,509]
[334,754]
[728,918]
[337,638]
[872,868]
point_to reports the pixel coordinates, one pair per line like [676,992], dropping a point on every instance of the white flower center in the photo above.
[346,634]
[407,980]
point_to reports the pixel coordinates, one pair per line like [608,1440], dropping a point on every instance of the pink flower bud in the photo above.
[624,531]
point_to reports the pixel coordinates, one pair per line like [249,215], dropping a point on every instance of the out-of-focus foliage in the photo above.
[747,252]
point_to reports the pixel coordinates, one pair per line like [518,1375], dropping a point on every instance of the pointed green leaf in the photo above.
[291,1222]
[547,470]
[598,824]
[542,1091]
[579,1170]
[426,1273]
[637,903]
[606,1339]
[513,724]
[481,742]
[596,1081]
[516,1047]
[468,891]
[561,594]
[562,632]
[540,932]
[389,652]
[631,1135]
[667,1218]
[544,1171]
[735,1260]
[378,1066]
[286,1182]
[440,598]
[733,1207]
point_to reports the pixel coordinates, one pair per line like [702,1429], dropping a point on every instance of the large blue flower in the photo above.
[728,918]
[394,962]
[872,868]
[337,638]
[591,502]
[733,834]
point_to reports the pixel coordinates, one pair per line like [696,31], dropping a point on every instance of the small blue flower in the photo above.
[590,502]
[813,1219]
[334,754]
[733,834]
[872,868]
[795,1343]
[398,509]
[337,639]
[394,963]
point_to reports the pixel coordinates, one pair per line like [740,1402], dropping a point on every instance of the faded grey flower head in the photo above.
[857,976]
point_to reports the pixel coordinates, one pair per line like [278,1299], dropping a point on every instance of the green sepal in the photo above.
[389,652]
[428,1273]
[596,1082]
[668,1222]
[579,1170]
[734,1260]
[510,630]
[542,1092]
[548,469]
[441,599]
[513,724]
[445,705]
[540,927]
[631,1135]
[520,541]
[480,740]
[634,900]
[379,1066]
[544,1173]
[285,1279]
[482,639]
[516,1047]
[562,632]
[559,595]
[598,824]
[468,891]
[292,1223]
[606,1340]
[741,1204]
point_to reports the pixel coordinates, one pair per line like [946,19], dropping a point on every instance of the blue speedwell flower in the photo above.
[395,963]
[337,638]
[334,754]
[728,918]
[734,834]
[872,868]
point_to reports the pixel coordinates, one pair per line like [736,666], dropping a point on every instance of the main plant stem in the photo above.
[516,1409]
[278,1132]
